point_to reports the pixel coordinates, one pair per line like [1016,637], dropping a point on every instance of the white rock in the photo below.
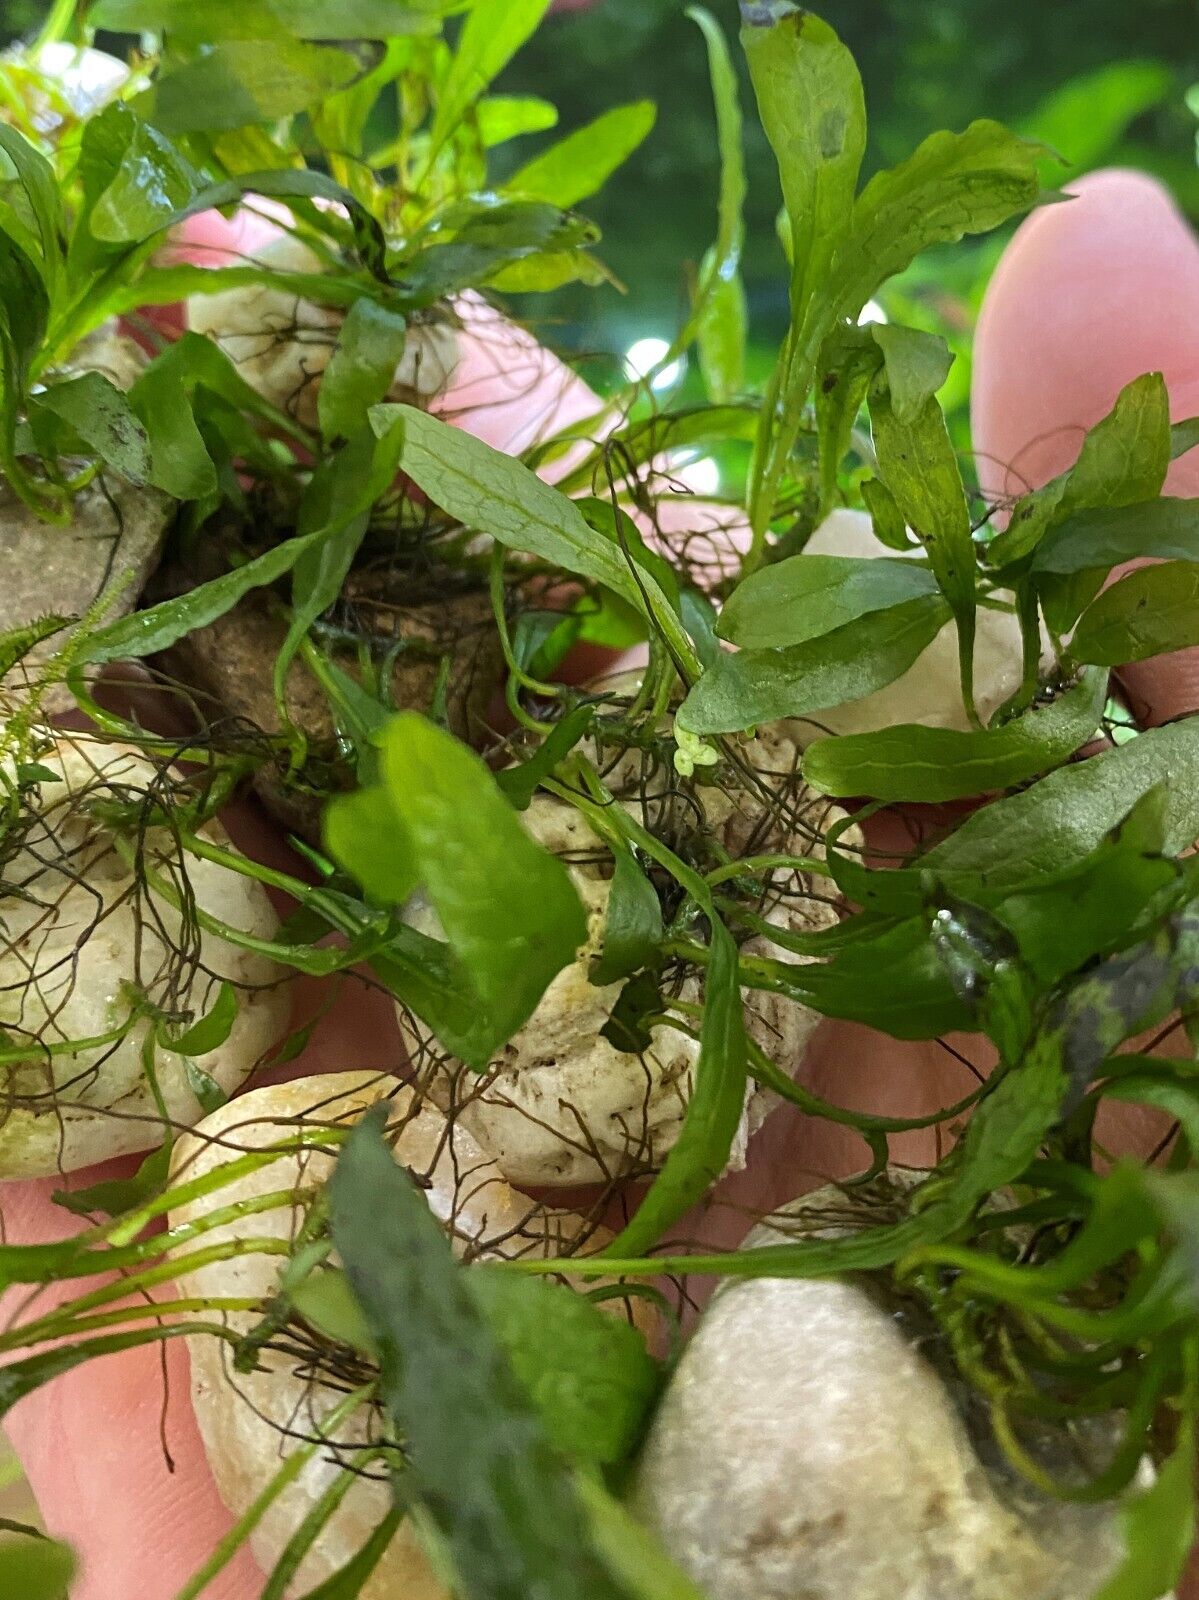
[75,929]
[930,691]
[282,343]
[562,1105]
[87,79]
[242,1417]
[806,1450]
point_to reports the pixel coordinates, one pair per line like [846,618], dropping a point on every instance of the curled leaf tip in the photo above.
[766,13]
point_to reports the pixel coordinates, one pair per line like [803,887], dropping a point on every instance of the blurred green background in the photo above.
[1102,81]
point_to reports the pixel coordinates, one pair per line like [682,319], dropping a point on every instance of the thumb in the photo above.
[94,1445]
[1089,294]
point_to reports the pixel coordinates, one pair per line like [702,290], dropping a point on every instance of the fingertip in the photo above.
[1091,292]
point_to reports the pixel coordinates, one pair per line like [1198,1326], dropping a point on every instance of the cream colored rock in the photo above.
[561,1104]
[242,1417]
[930,691]
[282,343]
[75,929]
[806,1450]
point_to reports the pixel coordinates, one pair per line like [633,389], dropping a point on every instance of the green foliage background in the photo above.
[1101,80]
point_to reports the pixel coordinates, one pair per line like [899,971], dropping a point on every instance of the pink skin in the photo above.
[1089,295]
[1092,292]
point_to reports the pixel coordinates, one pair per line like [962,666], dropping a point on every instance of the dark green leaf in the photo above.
[349,1581]
[36,177]
[917,462]
[910,762]
[889,527]
[586,1370]
[496,494]
[102,417]
[1184,437]
[245,81]
[1096,540]
[209,1032]
[584,160]
[812,108]
[208,1092]
[362,368]
[762,685]
[954,184]
[1123,460]
[1147,613]
[505,1506]
[157,628]
[118,1195]
[807,596]
[632,924]
[891,979]
[1066,815]
[519,783]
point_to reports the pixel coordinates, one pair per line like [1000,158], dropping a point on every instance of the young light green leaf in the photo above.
[720,314]
[755,686]
[101,415]
[586,1370]
[954,184]
[491,35]
[917,365]
[584,160]
[360,832]
[804,597]
[632,924]
[361,369]
[508,909]
[501,117]
[909,762]
[1159,1528]
[1066,815]
[629,1550]
[506,1508]
[1147,613]
[35,1569]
